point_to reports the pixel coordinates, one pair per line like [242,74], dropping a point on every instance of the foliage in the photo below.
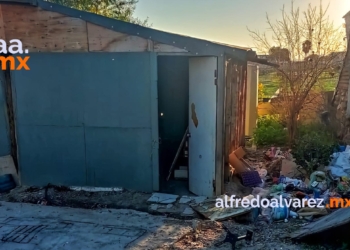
[311,40]
[314,146]
[269,131]
[261,91]
[279,54]
[118,9]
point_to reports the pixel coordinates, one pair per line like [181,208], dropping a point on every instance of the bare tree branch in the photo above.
[313,42]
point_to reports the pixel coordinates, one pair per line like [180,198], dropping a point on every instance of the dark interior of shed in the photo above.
[173,110]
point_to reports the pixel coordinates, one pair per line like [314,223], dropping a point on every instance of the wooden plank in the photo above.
[106,40]
[209,210]
[177,154]
[2,26]
[43,31]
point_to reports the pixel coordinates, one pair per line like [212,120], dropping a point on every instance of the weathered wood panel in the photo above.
[2,27]
[46,31]
[160,47]
[43,31]
[102,39]
[106,40]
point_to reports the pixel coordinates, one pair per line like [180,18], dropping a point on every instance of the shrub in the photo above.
[314,146]
[269,132]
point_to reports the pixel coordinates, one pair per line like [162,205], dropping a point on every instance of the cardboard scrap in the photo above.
[307,211]
[210,211]
[237,161]
[289,168]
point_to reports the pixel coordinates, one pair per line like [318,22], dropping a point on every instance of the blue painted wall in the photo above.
[85,119]
[5,143]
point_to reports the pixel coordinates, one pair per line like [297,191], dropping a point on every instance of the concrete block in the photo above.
[163,198]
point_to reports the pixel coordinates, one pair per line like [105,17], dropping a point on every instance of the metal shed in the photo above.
[106,103]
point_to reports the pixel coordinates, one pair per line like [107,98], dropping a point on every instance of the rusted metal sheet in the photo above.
[235,105]
[330,222]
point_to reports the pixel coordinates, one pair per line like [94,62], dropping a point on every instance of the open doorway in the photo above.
[187,124]
[173,96]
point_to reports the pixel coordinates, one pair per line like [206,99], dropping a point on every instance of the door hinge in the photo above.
[214,186]
[216,77]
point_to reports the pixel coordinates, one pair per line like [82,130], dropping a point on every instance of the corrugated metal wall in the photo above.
[5,143]
[86,119]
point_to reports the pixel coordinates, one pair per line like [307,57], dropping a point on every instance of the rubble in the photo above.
[163,198]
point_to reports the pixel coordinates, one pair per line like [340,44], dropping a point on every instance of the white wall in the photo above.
[252,99]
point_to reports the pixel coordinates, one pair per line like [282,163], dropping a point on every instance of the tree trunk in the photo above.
[292,122]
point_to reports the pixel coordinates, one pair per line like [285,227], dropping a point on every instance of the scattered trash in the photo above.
[281,212]
[266,214]
[262,193]
[277,188]
[340,164]
[315,211]
[318,180]
[250,178]
[262,173]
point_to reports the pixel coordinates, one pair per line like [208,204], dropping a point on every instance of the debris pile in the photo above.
[273,175]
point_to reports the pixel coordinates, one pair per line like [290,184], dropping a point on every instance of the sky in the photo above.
[224,21]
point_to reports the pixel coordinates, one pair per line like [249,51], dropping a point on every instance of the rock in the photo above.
[188,211]
[163,198]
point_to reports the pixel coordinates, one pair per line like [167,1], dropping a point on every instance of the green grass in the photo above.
[271,83]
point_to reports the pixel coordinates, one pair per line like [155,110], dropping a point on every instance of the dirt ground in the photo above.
[274,236]
[62,196]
